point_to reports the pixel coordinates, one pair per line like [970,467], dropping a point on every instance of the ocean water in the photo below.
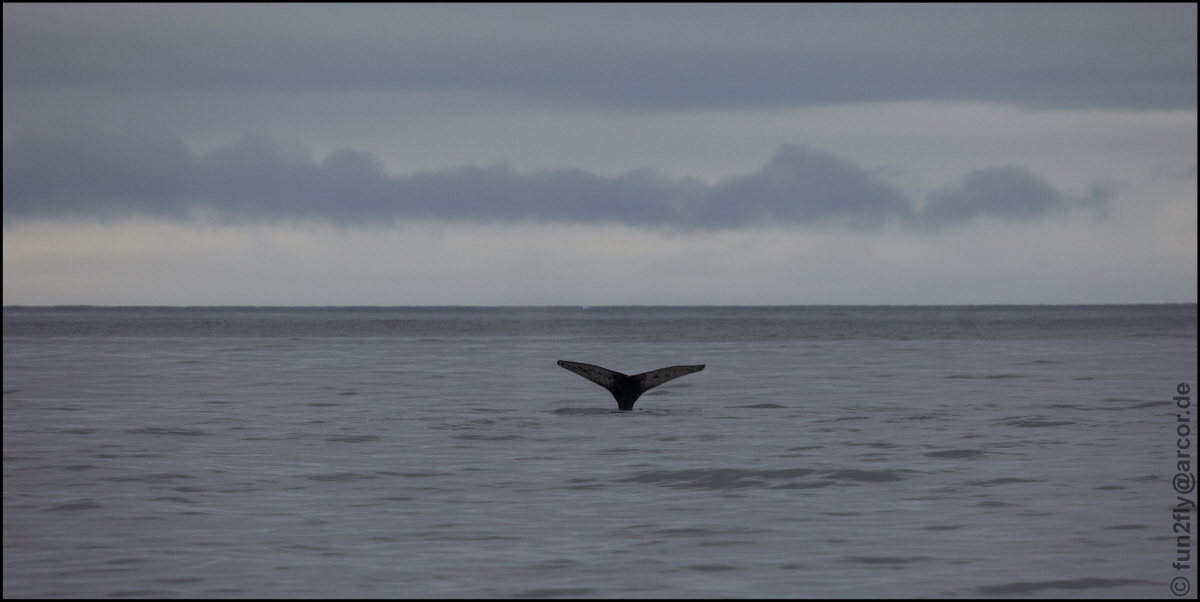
[412,452]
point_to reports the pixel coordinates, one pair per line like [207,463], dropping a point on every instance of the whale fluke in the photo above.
[627,389]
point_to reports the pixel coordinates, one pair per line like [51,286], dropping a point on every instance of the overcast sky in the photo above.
[599,154]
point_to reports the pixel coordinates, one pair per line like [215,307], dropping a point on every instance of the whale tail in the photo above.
[627,389]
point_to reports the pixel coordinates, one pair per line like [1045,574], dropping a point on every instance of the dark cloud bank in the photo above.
[106,174]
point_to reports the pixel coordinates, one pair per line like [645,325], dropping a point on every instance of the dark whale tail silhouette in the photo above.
[627,389]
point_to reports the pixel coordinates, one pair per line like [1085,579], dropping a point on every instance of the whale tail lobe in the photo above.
[627,389]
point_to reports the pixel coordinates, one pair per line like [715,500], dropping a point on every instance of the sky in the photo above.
[599,154]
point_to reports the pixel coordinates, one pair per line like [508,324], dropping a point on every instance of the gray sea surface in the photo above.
[982,451]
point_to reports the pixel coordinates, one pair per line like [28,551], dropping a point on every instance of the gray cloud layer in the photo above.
[635,56]
[109,173]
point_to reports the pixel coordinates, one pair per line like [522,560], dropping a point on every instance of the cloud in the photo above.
[1009,192]
[802,185]
[60,169]
[65,171]
[658,57]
